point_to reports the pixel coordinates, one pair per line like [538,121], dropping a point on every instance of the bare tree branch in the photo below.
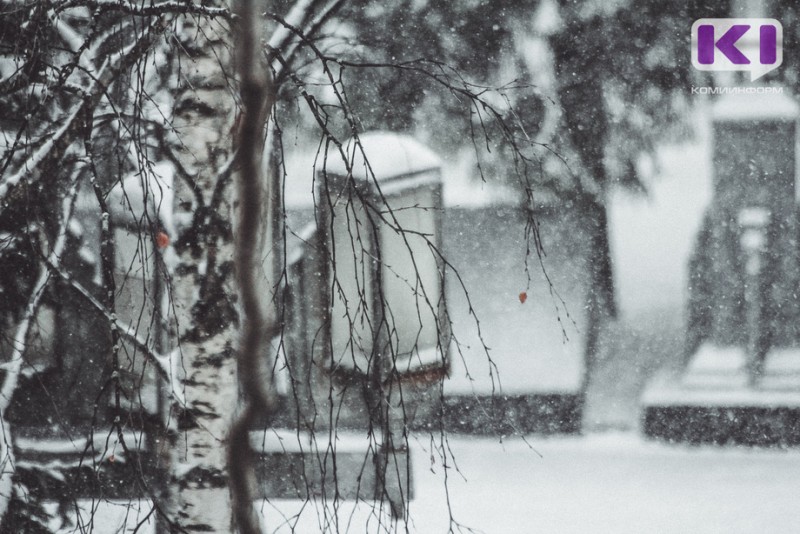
[14,365]
[55,147]
[151,10]
[167,365]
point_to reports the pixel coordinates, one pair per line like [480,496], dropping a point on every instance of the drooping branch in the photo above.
[167,365]
[303,21]
[299,14]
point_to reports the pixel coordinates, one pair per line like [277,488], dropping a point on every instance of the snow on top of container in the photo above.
[755,107]
[388,156]
[144,195]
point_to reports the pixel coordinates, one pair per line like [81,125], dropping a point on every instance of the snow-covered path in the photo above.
[612,483]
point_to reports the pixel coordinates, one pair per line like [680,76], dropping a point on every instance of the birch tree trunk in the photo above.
[203,291]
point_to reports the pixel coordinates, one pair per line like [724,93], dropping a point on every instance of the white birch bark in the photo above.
[203,302]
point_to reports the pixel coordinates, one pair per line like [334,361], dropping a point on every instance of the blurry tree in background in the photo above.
[622,76]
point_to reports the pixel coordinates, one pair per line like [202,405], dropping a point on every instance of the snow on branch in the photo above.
[153,9]
[301,27]
[167,365]
[14,366]
[143,194]
[66,32]
[32,168]
[300,12]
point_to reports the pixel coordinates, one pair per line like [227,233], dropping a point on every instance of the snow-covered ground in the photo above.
[99,516]
[601,483]
[605,483]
